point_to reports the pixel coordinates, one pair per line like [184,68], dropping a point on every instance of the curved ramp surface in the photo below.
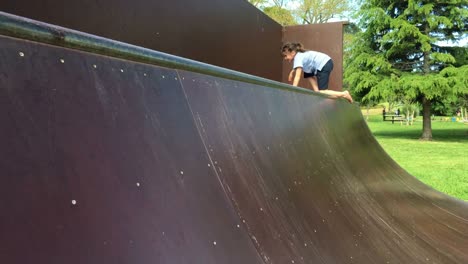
[111,161]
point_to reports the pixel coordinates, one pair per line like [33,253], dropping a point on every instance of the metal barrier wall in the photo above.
[326,38]
[226,33]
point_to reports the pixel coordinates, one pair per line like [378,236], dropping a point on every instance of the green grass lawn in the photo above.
[441,163]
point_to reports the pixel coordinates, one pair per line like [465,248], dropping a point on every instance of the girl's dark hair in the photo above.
[293,46]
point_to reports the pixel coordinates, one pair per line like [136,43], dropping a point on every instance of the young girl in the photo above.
[316,67]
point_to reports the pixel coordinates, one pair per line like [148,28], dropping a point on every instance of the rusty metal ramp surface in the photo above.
[105,160]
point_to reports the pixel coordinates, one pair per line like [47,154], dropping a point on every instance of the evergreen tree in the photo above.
[397,56]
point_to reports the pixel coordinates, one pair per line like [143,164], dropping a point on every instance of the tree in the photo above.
[280,3]
[397,53]
[463,104]
[277,11]
[410,110]
[289,12]
[320,11]
[257,3]
[280,15]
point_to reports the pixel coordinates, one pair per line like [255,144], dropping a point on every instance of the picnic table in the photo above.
[393,118]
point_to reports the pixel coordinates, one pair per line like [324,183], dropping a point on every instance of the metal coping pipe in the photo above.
[25,28]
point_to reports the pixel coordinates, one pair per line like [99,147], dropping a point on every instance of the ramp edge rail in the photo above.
[33,30]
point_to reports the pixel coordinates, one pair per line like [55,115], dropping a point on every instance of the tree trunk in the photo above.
[426,104]
[407,117]
[367,112]
[390,106]
[427,129]
[412,117]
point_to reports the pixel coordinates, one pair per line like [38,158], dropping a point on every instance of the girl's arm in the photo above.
[291,75]
[297,77]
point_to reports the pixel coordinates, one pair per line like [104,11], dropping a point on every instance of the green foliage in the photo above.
[460,54]
[280,15]
[320,11]
[411,109]
[457,79]
[258,3]
[446,107]
[442,57]
[304,11]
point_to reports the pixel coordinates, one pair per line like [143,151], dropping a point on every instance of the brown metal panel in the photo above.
[101,163]
[231,34]
[326,38]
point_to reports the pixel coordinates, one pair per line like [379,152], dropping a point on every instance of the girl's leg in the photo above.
[337,94]
[333,94]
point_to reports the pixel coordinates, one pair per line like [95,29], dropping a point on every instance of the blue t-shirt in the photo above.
[310,61]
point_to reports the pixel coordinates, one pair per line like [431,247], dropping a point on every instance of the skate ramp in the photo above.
[112,160]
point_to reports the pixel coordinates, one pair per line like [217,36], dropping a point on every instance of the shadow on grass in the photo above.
[442,135]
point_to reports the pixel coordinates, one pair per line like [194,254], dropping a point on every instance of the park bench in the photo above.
[393,118]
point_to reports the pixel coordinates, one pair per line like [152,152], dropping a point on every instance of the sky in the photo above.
[461,43]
